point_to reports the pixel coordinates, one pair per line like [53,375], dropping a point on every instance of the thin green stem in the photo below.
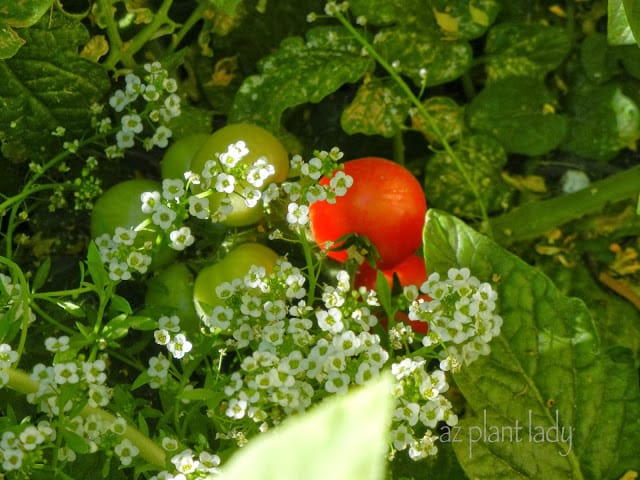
[534,219]
[105,297]
[195,16]
[25,301]
[312,275]
[398,148]
[30,187]
[423,111]
[133,46]
[41,313]
[149,450]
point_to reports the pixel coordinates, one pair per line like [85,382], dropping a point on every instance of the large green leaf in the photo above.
[518,112]
[18,14]
[379,108]
[618,320]
[345,438]
[483,158]
[384,12]
[528,50]
[602,122]
[618,26]
[464,19]
[299,72]
[547,375]
[46,85]
[598,59]
[413,51]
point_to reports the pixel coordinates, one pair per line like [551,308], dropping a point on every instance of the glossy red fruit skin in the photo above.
[386,203]
[411,271]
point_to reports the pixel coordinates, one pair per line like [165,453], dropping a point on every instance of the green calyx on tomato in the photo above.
[234,265]
[254,156]
[411,271]
[386,204]
[120,206]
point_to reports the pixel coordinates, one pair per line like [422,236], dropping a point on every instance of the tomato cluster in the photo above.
[387,205]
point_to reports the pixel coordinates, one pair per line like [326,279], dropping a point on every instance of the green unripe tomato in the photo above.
[261,144]
[120,206]
[172,289]
[178,157]
[235,264]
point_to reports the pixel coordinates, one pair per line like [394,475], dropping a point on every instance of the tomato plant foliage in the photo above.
[124,124]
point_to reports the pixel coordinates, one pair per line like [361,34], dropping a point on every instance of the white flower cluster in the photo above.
[420,406]
[293,354]
[461,314]
[188,464]
[307,189]
[161,104]
[8,357]
[166,210]
[86,379]
[20,446]
[12,306]
[289,360]
[170,335]
[62,388]
[124,253]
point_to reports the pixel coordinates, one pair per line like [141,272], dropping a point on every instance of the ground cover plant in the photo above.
[274,239]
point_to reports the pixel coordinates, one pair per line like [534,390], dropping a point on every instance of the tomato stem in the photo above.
[534,219]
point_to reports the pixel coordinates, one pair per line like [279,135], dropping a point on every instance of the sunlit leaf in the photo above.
[412,51]
[519,49]
[298,72]
[343,439]
[45,85]
[379,108]
[547,374]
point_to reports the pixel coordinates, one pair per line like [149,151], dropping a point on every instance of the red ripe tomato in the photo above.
[411,271]
[385,203]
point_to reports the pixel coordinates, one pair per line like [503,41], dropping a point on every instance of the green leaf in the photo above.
[415,50]
[379,108]
[447,116]
[120,304]
[96,268]
[45,85]
[483,158]
[602,122]
[298,72]
[547,373]
[72,309]
[386,12]
[464,19]
[525,50]
[518,112]
[618,29]
[41,275]
[344,438]
[617,320]
[598,59]
[18,14]
[632,11]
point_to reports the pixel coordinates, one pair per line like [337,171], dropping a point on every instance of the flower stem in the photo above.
[149,450]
